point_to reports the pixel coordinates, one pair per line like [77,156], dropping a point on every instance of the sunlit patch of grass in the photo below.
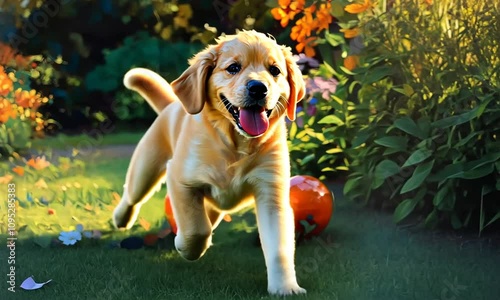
[85,197]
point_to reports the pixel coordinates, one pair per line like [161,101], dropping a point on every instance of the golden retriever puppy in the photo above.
[221,136]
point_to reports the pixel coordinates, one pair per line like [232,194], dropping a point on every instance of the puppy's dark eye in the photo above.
[233,68]
[275,71]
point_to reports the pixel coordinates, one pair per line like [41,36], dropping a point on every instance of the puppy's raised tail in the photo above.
[151,86]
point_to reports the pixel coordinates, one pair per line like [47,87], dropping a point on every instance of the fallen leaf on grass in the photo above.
[144,224]
[88,207]
[116,198]
[30,284]
[6,179]
[41,184]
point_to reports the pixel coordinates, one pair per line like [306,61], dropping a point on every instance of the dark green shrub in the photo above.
[141,50]
[430,74]
[415,117]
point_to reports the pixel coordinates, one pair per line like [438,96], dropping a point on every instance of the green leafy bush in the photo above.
[141,50]
[430,75]
[415,115]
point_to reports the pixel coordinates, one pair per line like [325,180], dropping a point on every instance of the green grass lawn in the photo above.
[361,255]
[63,141]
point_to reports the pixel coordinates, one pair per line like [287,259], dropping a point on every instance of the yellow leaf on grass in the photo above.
[116,198]
[6,179]
[144,224]
[88,207]
[41,184]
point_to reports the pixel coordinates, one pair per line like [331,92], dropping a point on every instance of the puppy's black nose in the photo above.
[256,90]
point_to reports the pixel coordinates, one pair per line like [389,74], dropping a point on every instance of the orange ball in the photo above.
[170,215]
[312,204]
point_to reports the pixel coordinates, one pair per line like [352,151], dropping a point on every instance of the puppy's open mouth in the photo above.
[254,120]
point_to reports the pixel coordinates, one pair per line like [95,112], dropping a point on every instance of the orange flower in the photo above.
[304,25]
[351,62]
[30,99]
[323,16]
[307,46]
[18,170]
[6,84]
[39,163]
[357,8]
[287,10]
[6,111]
[350,32]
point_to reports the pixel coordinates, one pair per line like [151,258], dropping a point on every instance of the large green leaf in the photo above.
[444,199]
[360,138]
[466,139]
[331,119]
[417,157]
[470,170]
[447,172]
[419,175]
[334,39]
[409,126]
[432,219]
[399,142]
[386,168]
[462,118]
[376,74]
[407,206]
[404,209]
[486,159]
[476,172]
[351,184]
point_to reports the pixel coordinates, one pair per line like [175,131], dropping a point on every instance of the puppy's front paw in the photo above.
[286,290]
[192,247]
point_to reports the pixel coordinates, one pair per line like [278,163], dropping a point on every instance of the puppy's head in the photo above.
[248,78]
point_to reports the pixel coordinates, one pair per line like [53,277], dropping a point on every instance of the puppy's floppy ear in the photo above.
[191,86]
[296,82]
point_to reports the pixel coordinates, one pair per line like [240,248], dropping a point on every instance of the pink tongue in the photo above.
[254,122]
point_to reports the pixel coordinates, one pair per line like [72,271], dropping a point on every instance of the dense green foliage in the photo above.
[140,50]
[417,122]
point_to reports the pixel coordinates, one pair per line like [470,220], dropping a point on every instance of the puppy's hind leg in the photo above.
[145,173]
